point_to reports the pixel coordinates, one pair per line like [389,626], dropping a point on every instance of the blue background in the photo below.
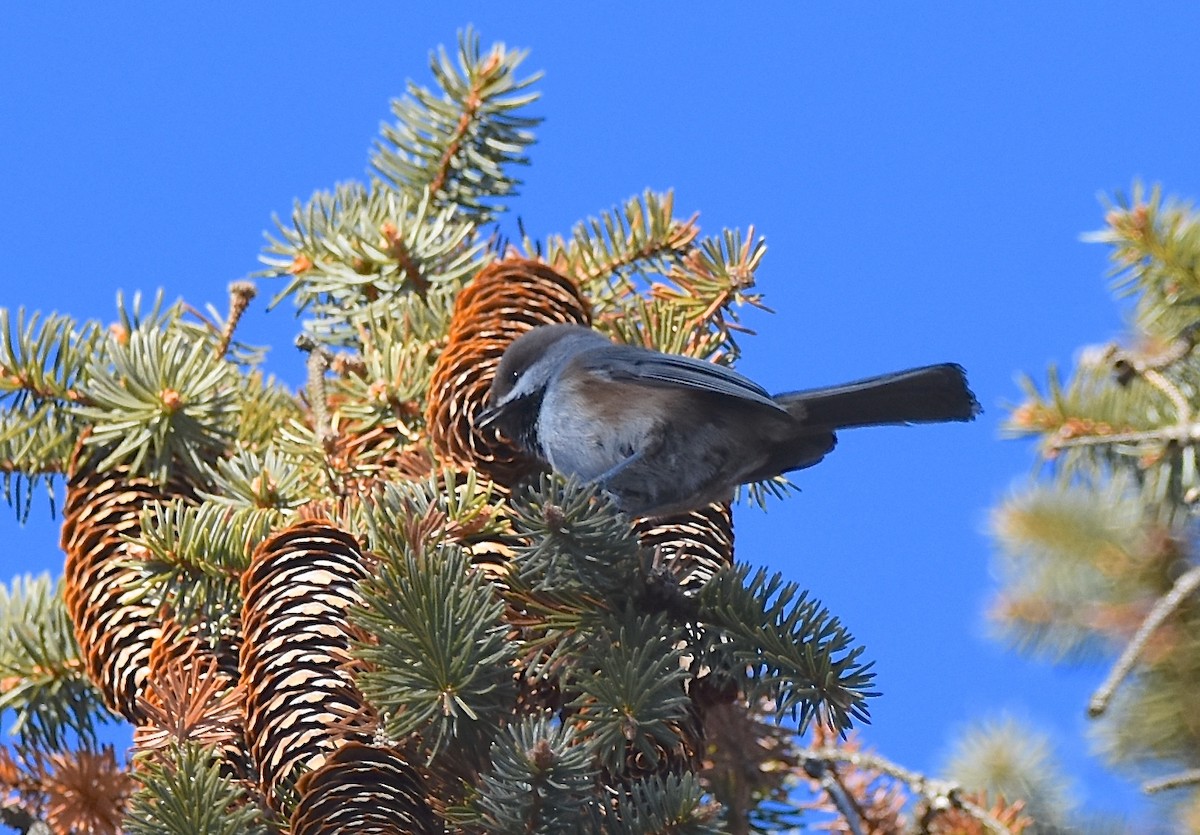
[922,173]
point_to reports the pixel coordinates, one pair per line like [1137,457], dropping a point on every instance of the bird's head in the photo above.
[529,365]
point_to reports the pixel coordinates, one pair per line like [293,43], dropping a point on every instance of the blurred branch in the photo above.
[940,794]
[240,295]
[1182,433]
[1127,364]
[823,772]
[319,360]
[19,818]
[1190,777]
[1184,587]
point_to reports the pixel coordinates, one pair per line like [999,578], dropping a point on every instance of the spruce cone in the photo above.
[690,546]
[367,459]
[115,636]
[679,759]
[189,647]
[506,299]
[365,791]
[301,700]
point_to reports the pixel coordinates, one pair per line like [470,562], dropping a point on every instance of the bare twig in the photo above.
[940,794]
[823,772]
[22,820]
[240,295]
[1173,781]
[1130,364]
[1184,587]
[1184,433]
[319,359]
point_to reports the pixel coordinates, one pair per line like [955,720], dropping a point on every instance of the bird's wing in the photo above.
[639,365]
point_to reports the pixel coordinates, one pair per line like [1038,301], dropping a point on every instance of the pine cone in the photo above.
[681,758]
[115,636]
[506,299]
[188,647]
[691,546]
[366,791]
[301,700]
[364,460]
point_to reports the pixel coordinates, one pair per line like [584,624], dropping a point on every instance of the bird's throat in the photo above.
[518,421]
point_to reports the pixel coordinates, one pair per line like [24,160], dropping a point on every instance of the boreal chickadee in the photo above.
[664,433]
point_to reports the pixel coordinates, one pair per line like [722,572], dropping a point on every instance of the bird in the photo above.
[663,433]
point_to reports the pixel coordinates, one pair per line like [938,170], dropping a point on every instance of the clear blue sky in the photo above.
[922,173]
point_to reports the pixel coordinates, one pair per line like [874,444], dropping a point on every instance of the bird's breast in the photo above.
[587,425]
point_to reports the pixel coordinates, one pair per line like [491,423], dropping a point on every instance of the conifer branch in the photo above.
[190,558]
[1128,363]
[1183,779]
[673,804]
[1188,433]
[184,792]
[157,403]
[631,697]
[541,779]
[265,480]
[1185,586]
[455,144]
[266,406]
[1183,409]
[35,447]
[319,359]
[440,661]
[240,295]
[42,676]
[643,234]
[823,772]
[13,813]
[353,255]
[579,544]
[714,278]
[1154,253]
[940,795]
[386,384]
[42,361]
[799,656]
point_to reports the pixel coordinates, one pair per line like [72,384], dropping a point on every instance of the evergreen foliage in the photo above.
[458,144]
[41,671]
[439,650]
[537,665]
[184,793]
[541,780]
[1099,555]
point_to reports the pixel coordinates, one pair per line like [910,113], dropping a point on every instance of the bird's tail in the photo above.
[931,394]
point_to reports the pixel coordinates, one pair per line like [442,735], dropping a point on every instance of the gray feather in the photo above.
[623,363]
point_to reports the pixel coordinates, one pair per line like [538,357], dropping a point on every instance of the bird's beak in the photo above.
[488,416]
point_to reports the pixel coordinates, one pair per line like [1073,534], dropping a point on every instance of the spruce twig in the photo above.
[1184,587]
[1183,779]
[14,814]
[319,360]
[240,295]
[1187,433]
[940,794]
[823,772]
